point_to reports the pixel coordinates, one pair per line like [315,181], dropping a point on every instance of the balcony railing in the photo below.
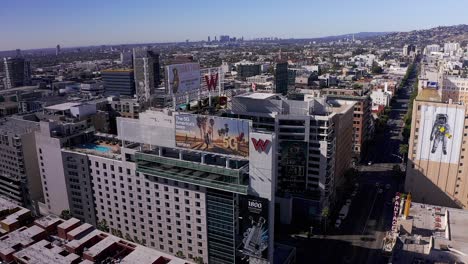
[233,180]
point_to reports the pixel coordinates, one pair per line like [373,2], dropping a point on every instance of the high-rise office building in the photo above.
[19,171]
[57,50]
[245,70]
[224,38]
[314,142]
[281,78]
[438,151]
[209,39]
[17,72]
[147,73]
[409,49]
[119,82]
[155,187]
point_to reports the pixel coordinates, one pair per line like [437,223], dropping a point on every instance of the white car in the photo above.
[369,163]
[380,190]
[338,223]
[354,193]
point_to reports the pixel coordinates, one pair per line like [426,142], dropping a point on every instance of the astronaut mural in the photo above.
[440,133]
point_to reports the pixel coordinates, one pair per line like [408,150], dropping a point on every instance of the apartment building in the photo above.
[151,187]
[314,148]
[362,124]
[438,156]
[454,88]
[19,169]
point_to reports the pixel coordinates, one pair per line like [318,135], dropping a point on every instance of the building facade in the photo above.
[19,170]
[146,73]
[437,158]
[119,82]
[163,196]
[17,72]
[281,78]
[309,167]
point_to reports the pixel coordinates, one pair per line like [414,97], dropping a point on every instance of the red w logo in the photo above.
[260,145]
[211,81]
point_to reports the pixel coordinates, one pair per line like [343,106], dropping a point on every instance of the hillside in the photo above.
[438,35]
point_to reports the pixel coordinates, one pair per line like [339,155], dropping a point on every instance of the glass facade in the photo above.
[220,208]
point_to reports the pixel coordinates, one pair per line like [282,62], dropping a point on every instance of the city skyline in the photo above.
[110,23]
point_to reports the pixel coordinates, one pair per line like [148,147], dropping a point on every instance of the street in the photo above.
[359,238]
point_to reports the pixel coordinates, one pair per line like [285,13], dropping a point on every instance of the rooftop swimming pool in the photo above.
[95,147]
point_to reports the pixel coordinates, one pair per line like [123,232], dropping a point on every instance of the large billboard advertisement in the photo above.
[293,165]
[440,133]
[183,78]
[253,228]
[213,134]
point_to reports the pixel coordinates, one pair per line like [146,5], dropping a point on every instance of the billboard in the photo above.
[253,228]
[212,79]
[183,78]
[440,133]
[213,134]
[293,165]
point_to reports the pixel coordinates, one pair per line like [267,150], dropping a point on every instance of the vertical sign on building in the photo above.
[253,242]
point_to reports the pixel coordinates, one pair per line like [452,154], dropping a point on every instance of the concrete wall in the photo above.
[31,165]
[52,171]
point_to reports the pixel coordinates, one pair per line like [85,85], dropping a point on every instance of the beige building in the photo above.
[437,156]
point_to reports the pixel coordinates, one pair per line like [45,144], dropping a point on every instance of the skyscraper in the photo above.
[17,71]
[146,71]
[209,39]
[281,78]
[57,50]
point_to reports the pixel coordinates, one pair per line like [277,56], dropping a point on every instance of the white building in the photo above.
[451,47]
[166,197]
[431,48]
[381,97]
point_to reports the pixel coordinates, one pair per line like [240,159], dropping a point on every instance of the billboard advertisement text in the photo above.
[440,133]
[254,238]
[213,134]
[183,77]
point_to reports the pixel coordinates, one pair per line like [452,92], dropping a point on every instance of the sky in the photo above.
[27,24]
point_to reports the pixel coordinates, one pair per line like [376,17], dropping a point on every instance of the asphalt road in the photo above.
[359,238]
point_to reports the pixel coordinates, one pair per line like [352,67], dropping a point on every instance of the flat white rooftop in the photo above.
[62,107]
[258,95]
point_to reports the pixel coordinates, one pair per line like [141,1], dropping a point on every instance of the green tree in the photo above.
[102,225]
[180,254]
[128,237]
[65,214]
[198,260]
[403,150]
[376,69]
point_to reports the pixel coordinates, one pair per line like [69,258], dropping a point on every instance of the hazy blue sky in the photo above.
[45,23]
